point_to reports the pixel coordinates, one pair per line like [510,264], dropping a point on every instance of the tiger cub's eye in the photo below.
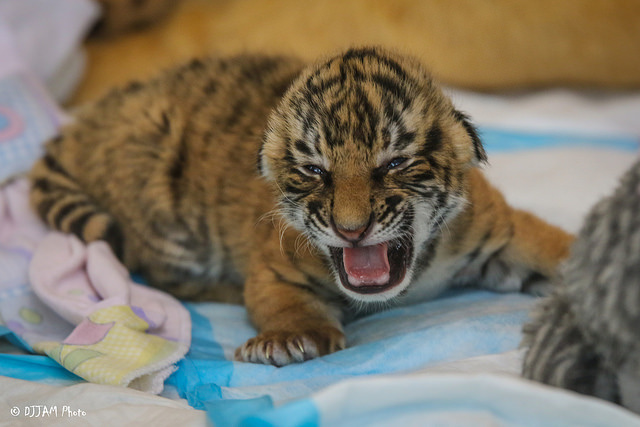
[313,170]
[397,163]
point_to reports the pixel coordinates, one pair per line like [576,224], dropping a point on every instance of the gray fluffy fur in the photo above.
[586,336]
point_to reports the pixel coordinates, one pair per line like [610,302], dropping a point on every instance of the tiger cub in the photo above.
[366,192]
[120,16]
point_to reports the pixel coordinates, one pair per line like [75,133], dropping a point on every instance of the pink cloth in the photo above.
[78,304]
[75,280]
[19,226]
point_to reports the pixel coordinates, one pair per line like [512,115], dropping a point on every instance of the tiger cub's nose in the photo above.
[352,235]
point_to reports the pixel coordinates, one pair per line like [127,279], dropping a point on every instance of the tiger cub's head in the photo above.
[370,160]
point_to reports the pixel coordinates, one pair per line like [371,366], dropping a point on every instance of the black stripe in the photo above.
[481,155]
[471,257]
[432,141]
[336,105]
[44,207]
[45,185]
[421,190]
[426,255]
[391,202]
[53,165]
[259,158]
[403,140]
[288,156]
[320,220]
[133,86]
[386,138]
[165,126]
[302,147]
[315,208]
[308,127]
[366,114]
[114,237]
[77,225]
[176,171]
[413,165]
[280,277]
[327,179]
[196,64]
[316,88]
[300,174]
[422,177]
[361,53]
[392,86]
[289,188]
[389,110]
[63,212]
[41,184]
[435,164]
[331,131]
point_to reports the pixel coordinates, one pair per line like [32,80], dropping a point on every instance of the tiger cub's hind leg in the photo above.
[189,287]
[62,204]
[507,249]
[529,258]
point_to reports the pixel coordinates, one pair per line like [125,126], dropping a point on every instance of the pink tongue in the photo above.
[367,265]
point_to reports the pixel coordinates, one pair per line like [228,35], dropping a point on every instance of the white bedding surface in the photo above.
[89,404]
[559,184]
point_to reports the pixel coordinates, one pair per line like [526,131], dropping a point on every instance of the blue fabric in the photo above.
[500,140]
[235,412]
[462,324]
[301,413]
[32,367]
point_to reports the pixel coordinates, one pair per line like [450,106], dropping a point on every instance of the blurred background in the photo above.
[554,86]
[484,45]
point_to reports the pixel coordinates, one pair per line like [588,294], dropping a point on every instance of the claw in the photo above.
[267,351]
[300,347]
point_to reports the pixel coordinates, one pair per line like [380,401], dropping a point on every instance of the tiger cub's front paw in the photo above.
[281,348]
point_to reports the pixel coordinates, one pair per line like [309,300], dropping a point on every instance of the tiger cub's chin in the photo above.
[367,171]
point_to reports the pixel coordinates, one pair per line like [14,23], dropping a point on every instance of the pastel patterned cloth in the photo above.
[28,117]
[77,304]
[126,333]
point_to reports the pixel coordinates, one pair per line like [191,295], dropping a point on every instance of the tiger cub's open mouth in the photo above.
[372,269]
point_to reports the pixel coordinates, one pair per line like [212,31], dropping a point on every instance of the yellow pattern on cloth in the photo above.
[124,352]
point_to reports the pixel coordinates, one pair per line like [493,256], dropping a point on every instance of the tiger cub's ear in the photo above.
[268,150]
[479,155]
[261,162]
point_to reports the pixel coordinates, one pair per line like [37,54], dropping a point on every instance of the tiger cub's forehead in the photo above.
[365,104]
